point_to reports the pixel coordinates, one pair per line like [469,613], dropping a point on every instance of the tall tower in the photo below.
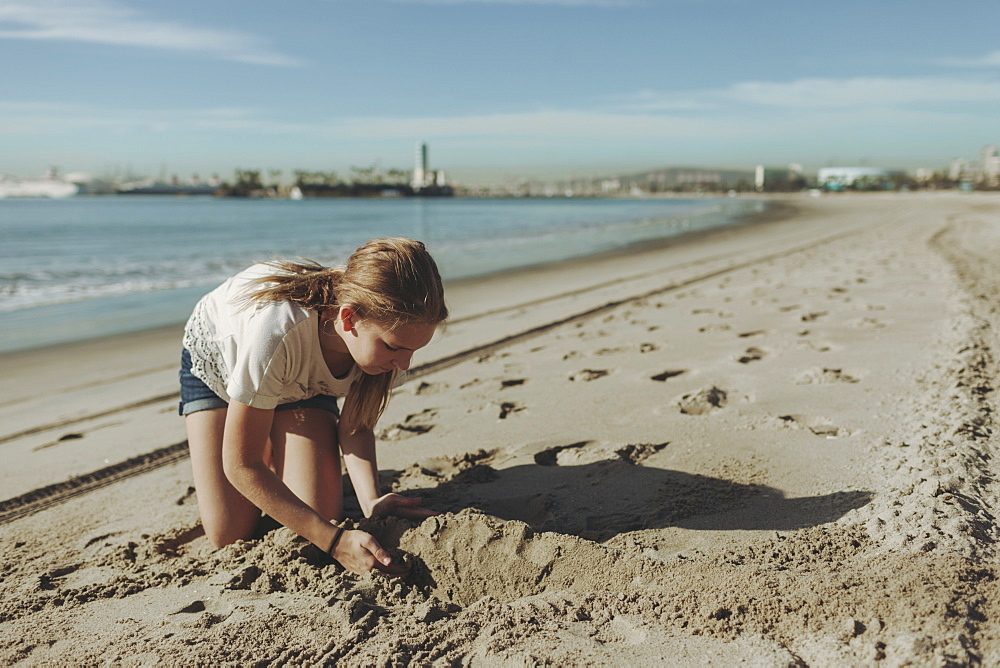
[420,169]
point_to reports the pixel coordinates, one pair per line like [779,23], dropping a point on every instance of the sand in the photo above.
[770,445]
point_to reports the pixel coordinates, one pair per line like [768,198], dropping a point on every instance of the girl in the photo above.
[265,355]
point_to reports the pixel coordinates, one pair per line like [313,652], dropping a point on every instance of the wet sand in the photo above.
[770,444]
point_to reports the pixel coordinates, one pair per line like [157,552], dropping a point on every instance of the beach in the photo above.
[768,444]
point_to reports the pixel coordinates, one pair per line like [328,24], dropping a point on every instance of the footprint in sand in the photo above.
[702,401]
[826,376]
[812,345]
[588,335]
[589,452]
[187,496]
[561,455]
[867,323]
[586,375]
[648,347]
[752,355]
[430,388]
[818,425]
[639,452]
[812,317]
[413,425]
[667,375]
[468,467]
[508,407]
[59,441]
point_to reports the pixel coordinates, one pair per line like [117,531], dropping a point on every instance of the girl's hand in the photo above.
[400,506]
[360,553]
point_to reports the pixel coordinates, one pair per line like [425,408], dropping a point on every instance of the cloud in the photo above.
[751,120]
[813,104]
[991,59]
[822,93]
[565,123]
[862,92]
[103,22]
[26,118]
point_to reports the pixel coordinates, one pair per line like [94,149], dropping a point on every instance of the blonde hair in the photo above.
[391,282]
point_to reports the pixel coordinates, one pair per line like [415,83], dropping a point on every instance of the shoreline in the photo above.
[750,447]
[777,209]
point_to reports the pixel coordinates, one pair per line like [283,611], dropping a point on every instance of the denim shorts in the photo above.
[196,395]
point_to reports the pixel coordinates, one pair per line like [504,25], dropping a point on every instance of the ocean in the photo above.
[86,267]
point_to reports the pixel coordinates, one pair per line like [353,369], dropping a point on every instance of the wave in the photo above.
[467,237]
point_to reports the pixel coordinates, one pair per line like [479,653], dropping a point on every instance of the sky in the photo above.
[498,89]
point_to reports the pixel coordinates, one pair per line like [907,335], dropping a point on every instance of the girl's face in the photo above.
[375,348]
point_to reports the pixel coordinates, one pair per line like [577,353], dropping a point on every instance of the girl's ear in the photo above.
[347,317]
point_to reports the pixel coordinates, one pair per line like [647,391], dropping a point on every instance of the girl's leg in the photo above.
[307,458]
[226,515]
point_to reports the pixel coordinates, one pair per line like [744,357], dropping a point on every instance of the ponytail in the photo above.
[306,283]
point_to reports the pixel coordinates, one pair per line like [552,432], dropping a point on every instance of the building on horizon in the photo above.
[420,168]
[425,180]
[779,179]
[960,168]
[423,176]
[985,173]
[989,166]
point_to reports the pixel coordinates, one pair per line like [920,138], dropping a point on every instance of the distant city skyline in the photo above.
[497,88]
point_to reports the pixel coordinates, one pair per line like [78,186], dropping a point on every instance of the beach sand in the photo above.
[769,445]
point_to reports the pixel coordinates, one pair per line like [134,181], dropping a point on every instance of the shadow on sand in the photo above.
[599,500]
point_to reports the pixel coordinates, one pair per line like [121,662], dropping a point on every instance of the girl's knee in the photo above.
[222,531]
[222,536]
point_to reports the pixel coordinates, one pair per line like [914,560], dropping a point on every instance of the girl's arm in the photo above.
[243,447]
[359,455]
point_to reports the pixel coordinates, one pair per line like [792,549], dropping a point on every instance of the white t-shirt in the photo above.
[264,354]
